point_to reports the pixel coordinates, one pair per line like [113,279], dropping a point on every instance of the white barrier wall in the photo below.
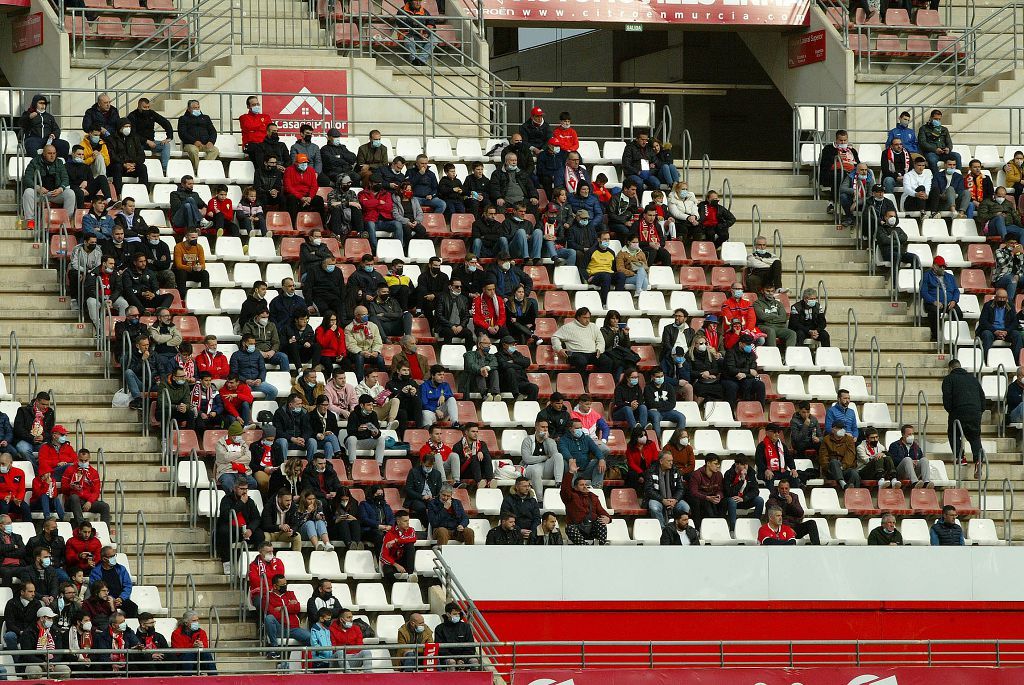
[738,573]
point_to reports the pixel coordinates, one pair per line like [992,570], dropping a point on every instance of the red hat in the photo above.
[60,429]
[552,208]
[299,158]
[939,261]
[536,112]
[553,142]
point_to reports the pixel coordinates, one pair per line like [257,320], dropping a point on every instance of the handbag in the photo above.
[382,398]
[622,356]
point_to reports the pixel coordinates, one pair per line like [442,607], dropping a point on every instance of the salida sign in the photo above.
[318,97]
[695,12]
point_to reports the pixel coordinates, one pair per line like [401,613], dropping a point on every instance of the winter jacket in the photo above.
[682,205]
[826,165]
[52,175]
[75,547]
[946,534]
[502,179]
[337,160]
[300,184]
[123,577]
[144,124]
[192,128]
[41,126]
[534,134]
[930,288]
[525,508]
[930,138]
[842,449]
[633,155]
[878,536]
[989,208]
[128,148]
[804,319]
[653,483]
[415,481]
[579,505]
[311,150]
[962,396]
[670,536]
[249,366]
[499,535]
[449,633]
[452,518]
[905,134]
[373,514]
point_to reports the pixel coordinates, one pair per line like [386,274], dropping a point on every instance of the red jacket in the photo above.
[49,457]
[332,343]
[84,483]
[567,138]
[13,483]
[377,206]
[394,544]
[340,637]
[301,184]
[224,207]
[74,548]
[216,364]
[578,504]
[445,451]
[39,488]
[261,569]
[765,532]
[739,309]
[179,640]
[277,602]
[640,460]
[254,130]
[485,315]
[244,393]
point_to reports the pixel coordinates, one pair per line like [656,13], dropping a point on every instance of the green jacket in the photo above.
[770,312]
[472,363]
[931,138]
[174,395]
[267,337]
[989,208]
[44,168]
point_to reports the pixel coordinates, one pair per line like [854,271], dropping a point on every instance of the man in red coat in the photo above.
[775,532]
[398,551]
[81,487]
[237,399]
[261,570]
[282,606]
[489,312]
[345,633]
[300,186]
[57,454]
[211,360]
[254,123]
[12,490]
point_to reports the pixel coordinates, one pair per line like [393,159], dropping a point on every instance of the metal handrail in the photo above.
[777,243]
[62,259]
[13,357]
[191,594]
[147,383]
[799,273]
[215,626]
[1007,511]
[79,434]
[101,459]
[727,193]
[852,326]
[940,319]
[170,569]
[822,296]
[687,146]
[1001,381]
[922,407]
[705,173]
[119,504]
[212,523]
[979,353]
[838,174]
[899,390]
[32,376]
[958,450]
[755,222]
[140,547]
[874,362]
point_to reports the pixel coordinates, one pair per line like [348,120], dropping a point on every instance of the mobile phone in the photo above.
[622,324]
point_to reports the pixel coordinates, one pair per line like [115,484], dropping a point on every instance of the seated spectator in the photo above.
[680,532]
[127,156]
[641,454]
[282,608]
[740,373]
[807,321]
[595,426]
[539,454]
[507,276]
[475,457]
[398,549]
[304,145]
[911,464]
[920,189]
[837,160]
[946,531]
[713,221]
[330,338]
[408,216]
[660,401]
[416,633]
[250,215]
[977,186]
[144,121]
[841,412]
[322,599]
[81,487]
[624,211]
[232,460]
[47,175]
[512,366]
[98,222]
[935,142]
[438,398]
[100,606]
[188,210]
[254,124]
[856,191]
[140,288]
[587,520]
[578,342]
[772,319]
[151,645]
[578,448]
[418,34]
[522,505]
[837,457]
[774,460]
[309,519]
[80,638]
[953,197]
[454,630]
[454,317]
[939,291]
[873,213]
[425,185]
[238,511]
[364,343]
[631,267]
[344,632]
[706,494]
[13,486]
[511,184]
[774,531]
[197,134]
[262,569]
[43,574]
[480,370]
[422,484]
[547,532]
[506,532]
[557,220]
[996,216]
[489,315]
[39,128]
[448,519]
[682,207]
[886,533]
[902,131]
[891,241]
[54,543]
[189,634]
[42,659]
[276,521]
[375,517]
[665,490]
[640,163]
[364,431]
[117,580]
[793,513]
[81,181]
[82,551]
[581,238]
[557,415]
[683,457]
[20,614]
[1014,173]
[298,340]
[706,368]
[999,322]
[406,392]
[896,162]
[388,315]
[476,189]
[741,491]
[764,270]
[300,188]
[249,367]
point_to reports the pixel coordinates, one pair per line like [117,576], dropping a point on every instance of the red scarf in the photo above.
[711,333]
[187,365]
[976,187]
[648,233]
[105,279]
[771,456]
[892,161]
[202,398]
[51,489]
[45,640]
[414,367]
[38,418]
[361,328]
[117,642]
[711,215]
[266,461]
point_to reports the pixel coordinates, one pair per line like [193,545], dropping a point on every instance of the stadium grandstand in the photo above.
[392,341]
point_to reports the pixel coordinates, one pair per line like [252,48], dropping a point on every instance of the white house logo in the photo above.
[549,681]
[869,679]
[304,104]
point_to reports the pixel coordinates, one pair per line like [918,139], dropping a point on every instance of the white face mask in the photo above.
[684,442]
[910,439]
[841,433]
[891,221]
[1000,200]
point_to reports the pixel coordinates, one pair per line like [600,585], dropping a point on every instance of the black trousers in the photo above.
[808,528]
[971,430]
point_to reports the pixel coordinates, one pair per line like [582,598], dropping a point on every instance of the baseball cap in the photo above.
[536,112]
[877,188]
[334,133]
[712,318]
[939,261]
[60,429]
[45,612]
[300,158]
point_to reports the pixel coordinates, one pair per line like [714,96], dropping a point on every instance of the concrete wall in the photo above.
[41,66]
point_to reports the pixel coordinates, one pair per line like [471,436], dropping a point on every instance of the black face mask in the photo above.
[269,167]
[272,137]
[308,137]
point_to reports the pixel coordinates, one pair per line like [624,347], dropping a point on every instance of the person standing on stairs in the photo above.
[964,401]
[417,32]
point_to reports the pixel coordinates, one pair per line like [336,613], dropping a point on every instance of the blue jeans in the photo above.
[671,415]
[437,204]
[274,632]
[998,225]
[282,445]
[536,243]
[590,472]
[51,505]
[133,383]
[227,481]
[657,510]
[479,250]
[1010,283]
[331,446]
[933,160]
[889,184]
[164,150]
[646,178]
[640,416]
[518,244]
[757,505]
[11,640]
[313,528]
[188,215]
[267,389]
[193,664]
[563,253]
[28,452]
[639,281]
[419,48]
[279,358]
[391,225]
[1013,337]
[669,174]
[360,363]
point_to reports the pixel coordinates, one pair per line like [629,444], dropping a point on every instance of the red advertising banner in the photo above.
[807,49]
[421,678]
[693,12]
[315,102]
[867,675]
[27,32]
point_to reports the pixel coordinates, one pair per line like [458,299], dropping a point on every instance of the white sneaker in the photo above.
[842,485]
[319,547]
[328,547]
[882,484]
[896,483]
[227,568]
[393,426]
[205,223]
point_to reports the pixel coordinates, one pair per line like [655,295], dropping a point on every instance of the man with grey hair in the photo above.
[190,634]
[764,269]
[102,116]
[116,640]
[197,134]
[539,453]
[448,518]
[886,533]
[808,320]
[47,176]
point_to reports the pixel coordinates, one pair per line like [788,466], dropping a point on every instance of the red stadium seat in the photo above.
[927,19]
[892,499]
[389,351]
[435,225]
[543,383]
[306,222]
[184,441]
[421,329]
[557,303]
[704,252]
[569,384]
[462,224]
[677,252]
[468,411]
[355,248]
[393,497]
[141,27]
[341,469]
[858,502]
[490,438]
[546,359]
[769,387]
[961,499]
[722,278]
[693,278]
[189,328]
[974,281]
[781,412]
[817,411]
[897,17]
[750,414]
[980,255]
[280,223]
[925,502]
[625,502]
[452,250]
[290,249]
[539,274]
[59,217]
[462,494]
[648,359]
[210,439]
[60,248]
[366,471]
[417,438]
[397,470]
[600,385]
[544,327]
[110,28]
[711,302]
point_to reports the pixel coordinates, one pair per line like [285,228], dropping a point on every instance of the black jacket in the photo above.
[669,536]
[144,124]
[138,229]
[337,160]
[264,180]
[42,126]
[524,155]
[315,424]
[311,480]
[761,461]
[652,483]
[159,256]
[499,536]
[56,547]
[659,398]
[472,281]
[987,321]
[501,180]
[431,284]
[535,135]
[90,285]
[179,195]
[446,304]
[558,421]
[746,488]
[45,579]
[268,521]
[526,510]
[737,361]
[134,283]
[23,425]
[725,218]
[488,232]
[192,128]
[288,424]
[962,396]
[248,511]
[633,154]
[122,253]
[625,394]
[454,633]
[128,148]
[415,481]
[19,618]
[359,424]
[804,319]
[828,158]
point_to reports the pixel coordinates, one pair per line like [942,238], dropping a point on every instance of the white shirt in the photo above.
[911,180]
[684,540]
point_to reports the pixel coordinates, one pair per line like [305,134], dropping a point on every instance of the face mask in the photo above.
[904,123]
[364,318]
[197,112]
[634,381]
[250,349]
[872,442]
[862,176]
[4,469]
[375,143]
[471,268]
[238,439]
[329,268]
[713,203]
[455,619]
[154,242]
[578,432]
[48,623]
[737,294]
[335,141]
[586,222]
[949,172]
[843,146]
[1000,200]
[506,265]
[633,247]
[512,168]
[419,629]
[841,433]
[79,160]
[269,167]
[891,221]
[94,139]
[179,381]
[8,529]
[641,440]
[604,244]
[748,348]
[193,626]
[680,360]
[296,410]
[83,465]
[127,131]
[910,439]
[702,348]
[263,321]
[936,123]
[368,268]
[556,149]
[659,380]
[268,558]
[684,441]
[302,166]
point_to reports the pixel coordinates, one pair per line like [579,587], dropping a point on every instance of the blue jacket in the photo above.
[433,395]
[549,163]
[847,417]
[123,576]
[589,203]
[440,517]
[957,182]
[580,449]
[987,320]
[423,184]
[904,133]
[248,366]
[370,516]
[6,430]
[898,451]
[930,287]
[942,534]
[283,308]
[99,226]
[320,637]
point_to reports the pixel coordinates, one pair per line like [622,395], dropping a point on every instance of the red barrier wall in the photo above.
[748,620]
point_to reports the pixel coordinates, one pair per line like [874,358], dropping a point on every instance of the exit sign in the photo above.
[634,28]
